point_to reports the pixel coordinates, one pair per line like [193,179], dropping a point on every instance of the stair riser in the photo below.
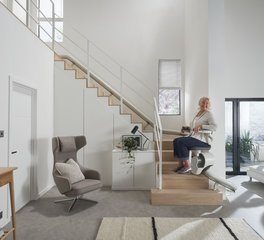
[168,168]
[166,145]
[166,199]
[167,156]
[176,181]
[185,199]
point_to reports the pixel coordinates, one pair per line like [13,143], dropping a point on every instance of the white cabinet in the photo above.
[129,174]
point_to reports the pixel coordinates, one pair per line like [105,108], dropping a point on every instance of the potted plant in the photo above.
[130,144]
[246,146]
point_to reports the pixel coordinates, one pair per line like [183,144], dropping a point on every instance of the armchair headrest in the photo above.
[67,144]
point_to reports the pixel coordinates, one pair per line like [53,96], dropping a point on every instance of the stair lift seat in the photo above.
[201,162]
[65,149]
[200,159]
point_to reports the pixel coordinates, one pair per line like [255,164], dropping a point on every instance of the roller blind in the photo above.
[170,73]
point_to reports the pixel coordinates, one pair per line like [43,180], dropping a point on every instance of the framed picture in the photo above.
[138,138]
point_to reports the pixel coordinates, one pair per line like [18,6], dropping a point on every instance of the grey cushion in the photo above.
[67,144]
[71,170]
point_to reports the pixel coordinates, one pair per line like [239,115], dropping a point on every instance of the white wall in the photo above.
[196,55]
[68,102]
[204,67]
[28,59]
[217,89]
[135,33]
[235,59]
[244,48]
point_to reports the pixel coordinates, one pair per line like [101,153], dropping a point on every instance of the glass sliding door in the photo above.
[244,134]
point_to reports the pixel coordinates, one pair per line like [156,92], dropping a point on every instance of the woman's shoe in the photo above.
[185,170]
[179,168]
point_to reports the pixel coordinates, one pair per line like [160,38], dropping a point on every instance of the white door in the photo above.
[20,142]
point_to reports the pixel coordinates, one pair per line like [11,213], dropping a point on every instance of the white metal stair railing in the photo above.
[158,137]
[88,55]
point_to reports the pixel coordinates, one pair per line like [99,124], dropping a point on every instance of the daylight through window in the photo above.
[45,20]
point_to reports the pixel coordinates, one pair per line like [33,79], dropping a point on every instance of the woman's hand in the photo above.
[197,128]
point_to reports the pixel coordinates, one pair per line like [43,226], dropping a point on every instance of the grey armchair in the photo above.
[65,148]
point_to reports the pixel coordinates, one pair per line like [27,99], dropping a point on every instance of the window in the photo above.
[45,20]
[169,87]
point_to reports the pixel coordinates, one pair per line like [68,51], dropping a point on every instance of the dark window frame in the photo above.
[236,132]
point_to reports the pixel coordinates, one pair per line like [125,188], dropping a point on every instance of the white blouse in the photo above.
[208,127]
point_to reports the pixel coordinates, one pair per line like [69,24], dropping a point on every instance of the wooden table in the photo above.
[6,177]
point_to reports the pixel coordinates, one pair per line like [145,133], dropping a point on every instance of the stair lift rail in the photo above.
[202,161]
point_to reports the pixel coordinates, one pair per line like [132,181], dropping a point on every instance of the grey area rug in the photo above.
[124,228]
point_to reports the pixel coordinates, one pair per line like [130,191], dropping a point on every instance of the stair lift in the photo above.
[201,162]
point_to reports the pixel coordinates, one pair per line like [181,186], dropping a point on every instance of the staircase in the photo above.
[104,91]
[182,189]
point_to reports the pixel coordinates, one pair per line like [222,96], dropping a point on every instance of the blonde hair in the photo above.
[202,100]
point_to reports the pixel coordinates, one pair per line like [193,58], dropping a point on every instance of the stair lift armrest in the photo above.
[205,131]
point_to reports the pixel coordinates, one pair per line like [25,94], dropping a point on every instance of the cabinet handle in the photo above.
[13,152]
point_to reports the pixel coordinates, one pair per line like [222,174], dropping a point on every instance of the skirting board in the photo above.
[40,194]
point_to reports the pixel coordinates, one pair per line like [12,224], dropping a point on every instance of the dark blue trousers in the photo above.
[182,146]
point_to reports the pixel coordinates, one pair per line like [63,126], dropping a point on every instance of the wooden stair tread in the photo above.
[195,191]
[167,162]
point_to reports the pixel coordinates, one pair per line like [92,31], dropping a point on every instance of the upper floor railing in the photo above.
[47,25]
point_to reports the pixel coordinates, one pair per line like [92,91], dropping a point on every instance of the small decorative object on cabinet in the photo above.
[136,173]
[131,142]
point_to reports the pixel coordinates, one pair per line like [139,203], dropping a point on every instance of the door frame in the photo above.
[18,82]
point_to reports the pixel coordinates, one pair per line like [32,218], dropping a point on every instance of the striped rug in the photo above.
[147,228]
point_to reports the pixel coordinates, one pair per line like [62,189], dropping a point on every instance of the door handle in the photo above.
[13,152]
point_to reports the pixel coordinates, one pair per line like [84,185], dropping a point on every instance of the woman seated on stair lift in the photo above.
[203,120]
